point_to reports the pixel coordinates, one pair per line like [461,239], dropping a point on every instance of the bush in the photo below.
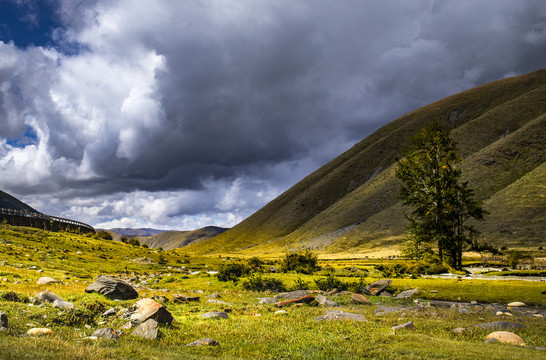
[300,285]
[232,272]
[255,264]
[257,283]
[330,282]
[302,262]
[133,242]
[103,235]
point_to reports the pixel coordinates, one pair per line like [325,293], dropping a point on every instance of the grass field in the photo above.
[253,330]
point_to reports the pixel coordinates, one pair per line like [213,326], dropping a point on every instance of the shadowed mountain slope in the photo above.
[9,202]
[350,204]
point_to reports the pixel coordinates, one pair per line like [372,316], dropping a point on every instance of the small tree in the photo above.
[441,203]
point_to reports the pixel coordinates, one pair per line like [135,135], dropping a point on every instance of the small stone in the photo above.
[499,313]
[61,304]
[305,299]
[204,341]
[147,330]
[516,304]
[474,302]
[47,280]
[291,295]
[109,312]
[458,330]
[280,312]
[267,300]
[378,286]
[215,315]
[408,294]
[39,331]
[48,296]
[128,325]
[107,333]
[181,298]
[213,296]
[340,315]
[324,301]
[408,325]
[214,301]
[538,315]
[360,299]
[433,291]
[385,293]
[506,337]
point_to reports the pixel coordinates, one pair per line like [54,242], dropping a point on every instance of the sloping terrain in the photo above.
[350,204]
[9,202]
[169,240]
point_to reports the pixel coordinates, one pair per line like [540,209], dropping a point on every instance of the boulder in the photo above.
[340,315]
[500,325]
[291,294]
[47,280]
[181,298]
[215,315]
[147,330]
[408,325]
[145,309]
[61,304]
[324,301]
[48,296]
[378,286]
[112,288]
[360,299]
[408,294]
[267,300]
[204,341]
[506,337]
[107,333]
[39,331]
[307,299]
[3,321]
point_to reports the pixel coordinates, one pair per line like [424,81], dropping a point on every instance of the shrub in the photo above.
[255,264]
[133,242]
[330,282]
[103,235]
[232,272]
[302,262]
[299,284]
[258,283]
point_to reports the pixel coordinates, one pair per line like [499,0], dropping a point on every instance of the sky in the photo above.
[182,114]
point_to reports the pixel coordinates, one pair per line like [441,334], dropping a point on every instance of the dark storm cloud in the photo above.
[213,108]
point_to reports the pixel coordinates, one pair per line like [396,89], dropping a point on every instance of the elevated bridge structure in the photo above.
[42,221]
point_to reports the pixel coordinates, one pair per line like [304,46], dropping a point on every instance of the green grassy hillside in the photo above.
[169,240]
[351,205]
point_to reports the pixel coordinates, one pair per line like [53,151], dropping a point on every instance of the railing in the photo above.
[40,216]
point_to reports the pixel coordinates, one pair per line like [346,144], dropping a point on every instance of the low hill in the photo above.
[9,202]
[169,240]
[350,205]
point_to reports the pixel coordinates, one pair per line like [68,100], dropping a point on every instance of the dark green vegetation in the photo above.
[9,202]
[253,330]
[351,204]
[441,203]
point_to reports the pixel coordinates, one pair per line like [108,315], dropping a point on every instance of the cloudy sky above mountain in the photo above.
[181,114]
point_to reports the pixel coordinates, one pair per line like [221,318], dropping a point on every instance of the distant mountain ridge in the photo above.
[8,201]
[351,204]
[129,232]
[170,240]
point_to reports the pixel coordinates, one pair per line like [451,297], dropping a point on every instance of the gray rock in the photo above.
[145,309]
[458,330]
[61,304]
[215,315]
[204,341]
[267,300]
[181,298]
[109,312]
[500,325]
[214,301]
[340,315]
[48,296]
[47,280]
[3,320]
[213,296]
[324,301]
[384,309]
[107,333]
[112,288]
[408,325]
[291,294]
[378,286]
[408,294]
[147,330]
[384,293]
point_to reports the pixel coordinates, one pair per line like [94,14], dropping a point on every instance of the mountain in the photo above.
[170,240]
[350,205]
[9,202]
[128,232]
